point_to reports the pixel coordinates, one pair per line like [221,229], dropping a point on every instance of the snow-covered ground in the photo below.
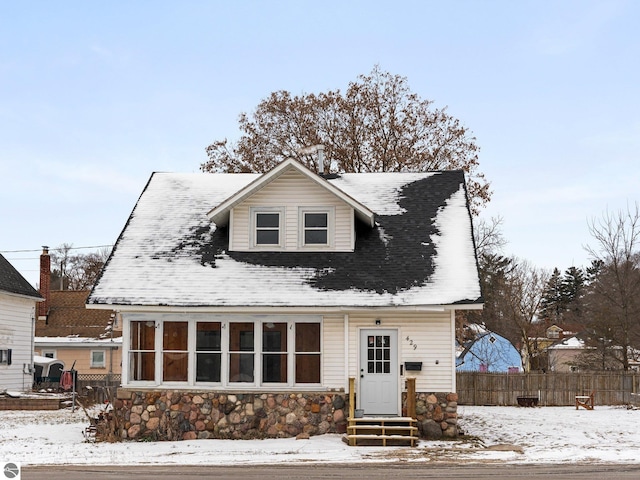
[505,434]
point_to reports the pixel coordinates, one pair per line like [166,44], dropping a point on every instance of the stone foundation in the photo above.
[437,414]
[176,415]
[187,415]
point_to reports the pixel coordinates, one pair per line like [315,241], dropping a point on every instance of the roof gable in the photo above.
[12,282]
[220,214]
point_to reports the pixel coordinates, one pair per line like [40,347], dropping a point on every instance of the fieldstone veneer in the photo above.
[188,415]
[437,414]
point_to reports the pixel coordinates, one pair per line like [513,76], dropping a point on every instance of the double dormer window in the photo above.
[315,227]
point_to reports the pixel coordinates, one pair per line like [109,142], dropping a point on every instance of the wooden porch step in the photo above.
[382,440]
[384,431]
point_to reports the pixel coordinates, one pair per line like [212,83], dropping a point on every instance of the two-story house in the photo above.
[248,301]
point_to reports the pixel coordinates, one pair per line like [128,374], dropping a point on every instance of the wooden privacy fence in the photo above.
[552,389]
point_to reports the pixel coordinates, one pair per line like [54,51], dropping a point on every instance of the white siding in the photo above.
[432,336]
[16,333]
[291,191]
[333,352]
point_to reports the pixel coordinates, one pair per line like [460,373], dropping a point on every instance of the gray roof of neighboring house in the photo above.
[12,282]
[420,251]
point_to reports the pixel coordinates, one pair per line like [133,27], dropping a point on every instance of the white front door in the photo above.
[378,394]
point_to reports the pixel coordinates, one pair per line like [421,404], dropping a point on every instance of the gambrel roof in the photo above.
[418,252]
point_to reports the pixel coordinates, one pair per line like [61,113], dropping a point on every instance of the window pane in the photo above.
[174,367]
[274,337]
[274,368]
[174,336]
[268,220]
[315,237]
[208,336]
[267,237]
[142,365]
[241,340]
[97,359]
[143,335]
[208,367]
[308,368]
[307,337]
[315,220]
[241,367]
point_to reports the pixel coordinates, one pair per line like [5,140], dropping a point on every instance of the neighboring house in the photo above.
[582,352]
[90,341]
[564,354]
[486,351]
[543,336]
[250,300]
[18,301]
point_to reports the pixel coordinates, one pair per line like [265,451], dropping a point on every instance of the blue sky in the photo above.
[95,96]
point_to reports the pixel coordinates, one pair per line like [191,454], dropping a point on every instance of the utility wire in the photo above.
[39,249]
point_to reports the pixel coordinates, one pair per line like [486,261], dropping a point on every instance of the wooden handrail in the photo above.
[352,397]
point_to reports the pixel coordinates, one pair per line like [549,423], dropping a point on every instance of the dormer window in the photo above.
[267,226]
[316,226]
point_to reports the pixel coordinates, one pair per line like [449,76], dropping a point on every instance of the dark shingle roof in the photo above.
[12,282]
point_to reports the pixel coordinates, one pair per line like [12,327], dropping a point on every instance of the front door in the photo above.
[379,372]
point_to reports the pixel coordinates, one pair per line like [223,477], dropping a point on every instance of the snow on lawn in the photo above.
[504,434]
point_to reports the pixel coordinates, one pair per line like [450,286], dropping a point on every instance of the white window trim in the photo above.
[331,215]
[253,212]
[47,352]
[93,364]
[126,333]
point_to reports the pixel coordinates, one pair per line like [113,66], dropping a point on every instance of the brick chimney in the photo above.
[45,283]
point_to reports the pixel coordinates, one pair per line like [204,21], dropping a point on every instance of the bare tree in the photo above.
[522,299]
[493,269]
[488,236]
[376,125]
[614,299]
[76,272]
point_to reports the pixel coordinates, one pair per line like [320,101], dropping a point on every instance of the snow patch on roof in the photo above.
[381,191]
[455,253]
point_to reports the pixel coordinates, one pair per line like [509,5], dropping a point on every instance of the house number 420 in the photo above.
[411,342]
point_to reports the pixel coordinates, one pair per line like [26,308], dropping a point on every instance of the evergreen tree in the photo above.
[573,290]
[553,301]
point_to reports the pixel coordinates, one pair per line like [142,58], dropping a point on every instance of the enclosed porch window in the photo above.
[142,354]
[226,350]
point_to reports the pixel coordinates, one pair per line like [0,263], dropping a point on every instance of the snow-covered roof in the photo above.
[419,252]
[569,344]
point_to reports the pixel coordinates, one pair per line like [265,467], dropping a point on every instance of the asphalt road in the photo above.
[366,471]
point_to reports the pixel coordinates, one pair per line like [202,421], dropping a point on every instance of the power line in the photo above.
[39,250]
